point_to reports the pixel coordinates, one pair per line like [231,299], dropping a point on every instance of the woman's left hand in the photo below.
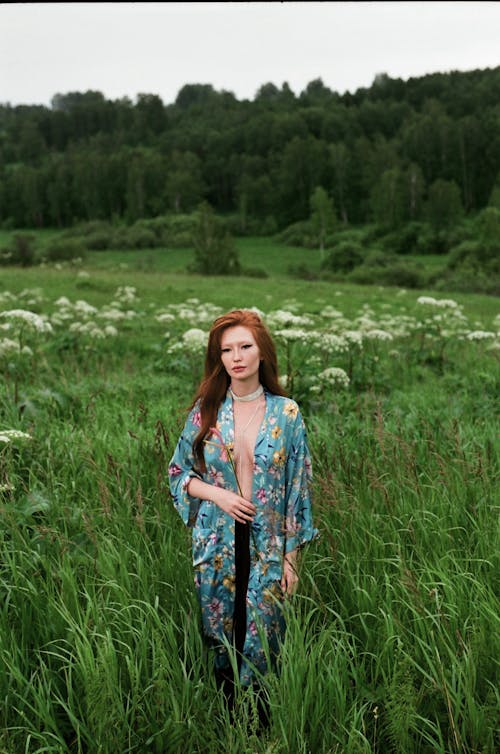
[290,577]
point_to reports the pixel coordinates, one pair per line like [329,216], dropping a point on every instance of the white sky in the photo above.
[122,49]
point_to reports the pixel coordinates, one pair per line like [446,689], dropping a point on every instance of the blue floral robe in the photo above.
[281,494]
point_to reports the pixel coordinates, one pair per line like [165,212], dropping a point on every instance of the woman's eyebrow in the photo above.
[237,343]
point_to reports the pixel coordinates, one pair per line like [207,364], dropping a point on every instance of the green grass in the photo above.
[392,642]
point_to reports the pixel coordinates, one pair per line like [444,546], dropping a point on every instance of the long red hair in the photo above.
[216,380]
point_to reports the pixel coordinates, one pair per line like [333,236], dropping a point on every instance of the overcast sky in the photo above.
[123,49]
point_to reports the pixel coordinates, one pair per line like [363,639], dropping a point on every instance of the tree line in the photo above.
[391,154]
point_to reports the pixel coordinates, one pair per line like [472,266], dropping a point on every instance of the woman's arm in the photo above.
[234,505]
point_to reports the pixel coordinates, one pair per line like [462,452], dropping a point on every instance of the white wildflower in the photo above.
[126,294]
[195,337]
[85,309]
[284,318]
[23,318]
[88,328]
[59,318]
[378,335]
[334,377]
[63,301]
[353,336]
[293,335]
[443,303]
[480,335]
[110,330]
[31,296]
[83,274]
[329,312]
[193,340]
[8,346]
[165,317]
[112,314]
[11,435]
[330,342]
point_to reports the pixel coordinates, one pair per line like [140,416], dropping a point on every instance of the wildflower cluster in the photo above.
[84,319]
[22,319]
[309,344]
[193,341]
[332,377]
[11,436]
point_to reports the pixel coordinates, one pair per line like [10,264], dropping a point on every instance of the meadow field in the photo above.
[393,638]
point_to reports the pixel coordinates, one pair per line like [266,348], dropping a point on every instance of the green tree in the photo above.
[214,249]
[322,216]
[444,205]
[184,185]
[388,198]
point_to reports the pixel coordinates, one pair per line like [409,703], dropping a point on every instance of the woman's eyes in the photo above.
[244,347]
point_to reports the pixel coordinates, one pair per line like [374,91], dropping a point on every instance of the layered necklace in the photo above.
[241,434]
[249,397]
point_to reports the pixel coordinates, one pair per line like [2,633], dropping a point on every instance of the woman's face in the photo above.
[240,356]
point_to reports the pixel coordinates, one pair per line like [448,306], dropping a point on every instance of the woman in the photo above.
[240,476]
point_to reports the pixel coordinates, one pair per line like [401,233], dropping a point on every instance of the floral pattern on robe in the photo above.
[281,493]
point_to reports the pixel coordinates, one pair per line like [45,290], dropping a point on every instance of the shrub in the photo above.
[468,279]
[380,268]
[21,251]
[404,240]
[99,240]
[299,234]
[250,226]
[302,272]
[434,242]
[467,251]
[214,249]
[343,257]
[169,230]
[65,249]
[135,237]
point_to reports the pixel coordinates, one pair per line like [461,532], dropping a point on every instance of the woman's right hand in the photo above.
[234,505]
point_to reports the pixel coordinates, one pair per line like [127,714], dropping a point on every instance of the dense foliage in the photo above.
[399,151]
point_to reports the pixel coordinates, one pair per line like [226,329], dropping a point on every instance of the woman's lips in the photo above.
[238,369]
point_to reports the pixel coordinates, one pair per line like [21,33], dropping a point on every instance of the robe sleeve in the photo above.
[298,481]
[181,470]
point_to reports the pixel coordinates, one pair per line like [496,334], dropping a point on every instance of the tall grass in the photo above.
[393,640]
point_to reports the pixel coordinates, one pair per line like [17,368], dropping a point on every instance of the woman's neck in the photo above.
[246,392]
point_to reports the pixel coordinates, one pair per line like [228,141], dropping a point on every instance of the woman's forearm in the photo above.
[230,502]
[203,490]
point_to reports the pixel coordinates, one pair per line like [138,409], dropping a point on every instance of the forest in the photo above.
[381,153]
[415,163]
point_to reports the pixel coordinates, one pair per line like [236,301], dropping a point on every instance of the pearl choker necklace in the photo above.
[249,397]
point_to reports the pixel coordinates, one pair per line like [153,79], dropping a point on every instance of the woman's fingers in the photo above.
[244,511]
[237,507]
